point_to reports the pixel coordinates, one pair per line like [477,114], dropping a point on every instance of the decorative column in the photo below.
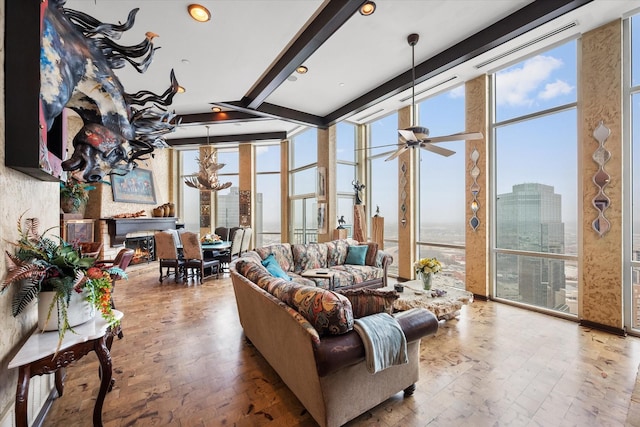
[406,204]
[327,171]
[600,95]
[476,189]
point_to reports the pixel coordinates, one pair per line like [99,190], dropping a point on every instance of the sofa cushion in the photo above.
[337,252]
[282,253]
[348,275]
[274,268]
[328,312]
[370,301]
[251,270]
[309,256]
[356,255]
[372,253]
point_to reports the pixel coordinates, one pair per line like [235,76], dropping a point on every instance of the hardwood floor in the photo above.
[183,361]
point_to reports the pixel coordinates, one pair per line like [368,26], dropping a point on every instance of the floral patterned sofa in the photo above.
[295,259]
[306,333]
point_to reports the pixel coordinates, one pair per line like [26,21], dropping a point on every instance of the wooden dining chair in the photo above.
[246,240]
[194,259]
[167,256]
[234,252]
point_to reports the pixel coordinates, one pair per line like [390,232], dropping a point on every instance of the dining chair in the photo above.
[234,252]
[122,260]
[167,256]
[223,232]
[194,259]
[90,249]
[246,240]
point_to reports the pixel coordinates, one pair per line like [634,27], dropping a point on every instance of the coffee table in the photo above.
[320,273]
[445,307]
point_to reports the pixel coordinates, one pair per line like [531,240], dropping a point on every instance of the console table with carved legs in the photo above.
[38,356]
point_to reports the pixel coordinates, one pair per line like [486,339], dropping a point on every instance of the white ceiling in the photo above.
[222,60]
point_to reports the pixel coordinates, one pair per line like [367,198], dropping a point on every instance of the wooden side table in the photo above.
[38,356]
[320,273]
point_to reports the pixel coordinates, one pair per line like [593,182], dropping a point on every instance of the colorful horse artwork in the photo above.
[77,59]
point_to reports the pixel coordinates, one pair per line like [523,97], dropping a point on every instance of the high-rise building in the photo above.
[530,219]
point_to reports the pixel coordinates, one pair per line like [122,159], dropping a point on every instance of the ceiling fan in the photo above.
[418,136]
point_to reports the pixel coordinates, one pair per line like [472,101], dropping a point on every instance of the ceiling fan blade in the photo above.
[435,149]
[457,137]
[396,154]
[378,146]
[407,134]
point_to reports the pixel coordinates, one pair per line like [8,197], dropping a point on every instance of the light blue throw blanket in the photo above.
[384,342]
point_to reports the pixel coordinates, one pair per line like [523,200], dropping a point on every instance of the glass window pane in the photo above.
[635,50]
[538,83]
[304,182]
[542,282]
[345,142]
[453,267]
[267,210]
[304,148]
[442,210]
[635,135]
[345,210]
[345,176]
[536,170]
[190,203]
[267,158]
[230,158]
[228,204]
[383,132]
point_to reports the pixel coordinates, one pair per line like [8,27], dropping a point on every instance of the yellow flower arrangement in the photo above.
[427,265]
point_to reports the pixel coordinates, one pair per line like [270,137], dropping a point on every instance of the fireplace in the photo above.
[143,247]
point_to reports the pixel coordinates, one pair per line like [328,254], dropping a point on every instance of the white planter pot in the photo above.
[78,312]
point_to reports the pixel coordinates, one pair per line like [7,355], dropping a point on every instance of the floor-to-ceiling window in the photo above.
[228,200]
[189,197]
[303,158]
[267,207]
[345,171]
[535,181]
[632,63]
[441,188]
[383,181]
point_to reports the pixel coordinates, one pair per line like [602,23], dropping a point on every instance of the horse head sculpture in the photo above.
[78,56]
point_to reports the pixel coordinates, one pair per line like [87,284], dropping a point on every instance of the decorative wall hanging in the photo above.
[77,60]
[403,194]
[322,218]
[475,189]
[207,178]
[601,202]
[244,198]
[321,188]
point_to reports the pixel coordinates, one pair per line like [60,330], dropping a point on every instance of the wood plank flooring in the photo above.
[183,361]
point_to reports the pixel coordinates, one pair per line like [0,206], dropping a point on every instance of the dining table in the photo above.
[210,250]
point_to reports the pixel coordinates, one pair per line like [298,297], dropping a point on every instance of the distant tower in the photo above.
[530,219]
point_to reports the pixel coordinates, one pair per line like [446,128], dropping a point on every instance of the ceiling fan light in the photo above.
[368,8]
[419,131]
[199,12]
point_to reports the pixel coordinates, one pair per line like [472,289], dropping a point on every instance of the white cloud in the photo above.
[518,85]
[551,90]
[260,149]
[457,92]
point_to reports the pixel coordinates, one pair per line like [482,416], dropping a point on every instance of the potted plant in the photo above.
[41,264]
[74,195]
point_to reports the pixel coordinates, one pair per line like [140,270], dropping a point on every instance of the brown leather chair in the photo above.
[234,252]
[194,260]
[223,232]
[167,256]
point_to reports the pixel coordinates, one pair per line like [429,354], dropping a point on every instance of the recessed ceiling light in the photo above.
[368,8]
[216,109]
[302,70]
[185,61]
[199,12]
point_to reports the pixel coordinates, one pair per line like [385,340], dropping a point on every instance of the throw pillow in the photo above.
[356,255]
[366,301]
[372,253]
[274,268]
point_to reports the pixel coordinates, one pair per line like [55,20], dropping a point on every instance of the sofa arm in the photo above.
[383,261]
[335,352]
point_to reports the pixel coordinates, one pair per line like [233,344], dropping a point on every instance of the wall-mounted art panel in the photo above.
[601,178]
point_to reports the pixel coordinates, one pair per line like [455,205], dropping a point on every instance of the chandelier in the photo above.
[207,178]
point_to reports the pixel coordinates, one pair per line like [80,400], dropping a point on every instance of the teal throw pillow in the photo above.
[356,255]
[272,266]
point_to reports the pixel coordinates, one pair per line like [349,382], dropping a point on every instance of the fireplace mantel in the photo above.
[120,227]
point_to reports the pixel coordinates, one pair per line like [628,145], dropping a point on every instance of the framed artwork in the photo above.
[134,187]
[321,190]
[322,218]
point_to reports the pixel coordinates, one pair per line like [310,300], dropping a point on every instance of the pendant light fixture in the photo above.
[207,178]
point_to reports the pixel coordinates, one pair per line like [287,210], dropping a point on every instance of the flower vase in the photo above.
[79,310]
[426,280]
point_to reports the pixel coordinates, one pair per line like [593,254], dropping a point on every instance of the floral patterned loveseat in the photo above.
[295,259]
